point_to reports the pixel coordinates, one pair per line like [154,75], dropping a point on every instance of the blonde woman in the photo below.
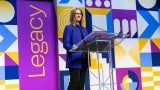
[76,61]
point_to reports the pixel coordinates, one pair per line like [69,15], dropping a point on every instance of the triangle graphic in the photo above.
[11,58]
[155,45]
[62,64]
[119,53]
[142,43]
[146,47]
[127,61]
[63,56]
[134,53]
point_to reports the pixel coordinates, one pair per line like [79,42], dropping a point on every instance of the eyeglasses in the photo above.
[79,13]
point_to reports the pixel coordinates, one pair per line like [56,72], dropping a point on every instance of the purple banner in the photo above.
[37,46]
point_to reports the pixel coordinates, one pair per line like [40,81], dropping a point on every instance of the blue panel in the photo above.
[63,74]
[110,22]
[146,59]
[11,72]
[64,80]
[140,7]
[156,59]
[8,38]
[64,1]
[152,24]
[2,73]
[88,21]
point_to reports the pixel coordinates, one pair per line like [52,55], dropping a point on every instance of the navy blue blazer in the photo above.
[72,35]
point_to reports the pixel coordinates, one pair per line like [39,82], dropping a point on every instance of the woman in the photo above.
[77,62]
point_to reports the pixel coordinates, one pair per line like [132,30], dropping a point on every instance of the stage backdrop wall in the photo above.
[28,54]
[136,60]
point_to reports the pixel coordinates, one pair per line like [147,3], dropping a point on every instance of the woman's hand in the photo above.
[75,47]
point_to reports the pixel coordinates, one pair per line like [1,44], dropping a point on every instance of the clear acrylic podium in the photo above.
[100,41]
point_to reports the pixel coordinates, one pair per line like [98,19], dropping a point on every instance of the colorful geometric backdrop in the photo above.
[28,54]
[136,60]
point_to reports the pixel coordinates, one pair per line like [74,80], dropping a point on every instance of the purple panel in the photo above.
[37,46]
[9,61]
[122,72]
[124,14]
[98,3]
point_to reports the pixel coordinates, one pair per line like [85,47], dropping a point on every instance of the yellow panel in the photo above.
[2,82]
[148,88]
[14,56]
[145,79]
[157,83]
[156,73]
[1,53]
[63,18]
[142,43]
[12,86]
[146,69]
[63,15]
[99,11]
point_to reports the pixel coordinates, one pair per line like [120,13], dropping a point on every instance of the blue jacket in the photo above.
[71,36]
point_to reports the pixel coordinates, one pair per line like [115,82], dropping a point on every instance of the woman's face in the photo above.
[78,15]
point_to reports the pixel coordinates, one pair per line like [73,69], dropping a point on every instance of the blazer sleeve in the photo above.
[67,38]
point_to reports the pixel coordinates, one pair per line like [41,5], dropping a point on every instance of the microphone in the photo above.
[98,33]
[98,28]
[97,36]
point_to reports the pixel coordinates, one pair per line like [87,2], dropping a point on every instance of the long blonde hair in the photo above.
[72,17]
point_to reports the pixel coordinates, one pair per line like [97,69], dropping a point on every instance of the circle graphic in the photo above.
[147,3]
[7,11]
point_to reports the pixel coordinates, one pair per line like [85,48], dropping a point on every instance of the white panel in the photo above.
[156,87]
[99,21]
[124,4]
[13,81]
[61,50]
[73,3]
[127,61]
[146,74]
[156,78]
[2,60]
[127,46]
[2,87]
[156,69]
[146,84]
